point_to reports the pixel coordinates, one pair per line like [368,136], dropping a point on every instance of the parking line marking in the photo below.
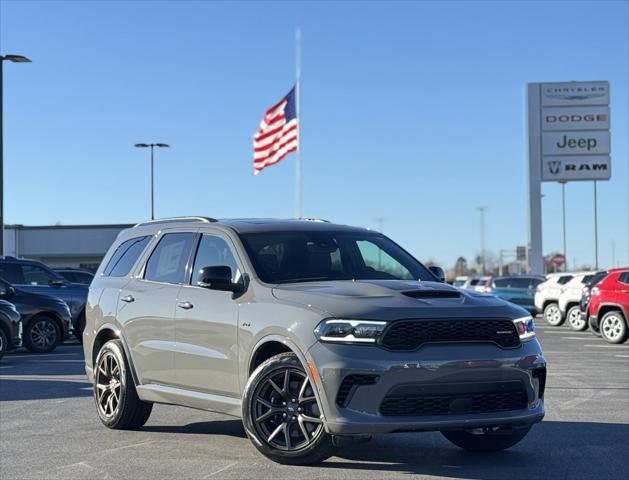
[220,470]
[44,355]
[565,338]
[606,346]
[622,356]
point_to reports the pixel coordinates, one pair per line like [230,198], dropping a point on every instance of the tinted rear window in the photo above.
[125,257]
[501,282]
[624,278]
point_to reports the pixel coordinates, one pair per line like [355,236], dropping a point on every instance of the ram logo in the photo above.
[554,166]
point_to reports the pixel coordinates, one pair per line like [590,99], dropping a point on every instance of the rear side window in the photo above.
[12,273]
[536,281]
[564,279]
[624,278]
[167,263]
[125,257]
[501,283]
[586,279]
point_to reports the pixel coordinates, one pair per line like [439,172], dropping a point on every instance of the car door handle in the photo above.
[128,298]
[185,305]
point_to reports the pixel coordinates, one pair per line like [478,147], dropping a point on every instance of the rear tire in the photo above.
[42,335]
[613,327]
[576,321]
[553,315]
[281,413]
[116,398]
[487,440]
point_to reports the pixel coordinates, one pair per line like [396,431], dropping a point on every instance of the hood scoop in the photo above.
[432,294]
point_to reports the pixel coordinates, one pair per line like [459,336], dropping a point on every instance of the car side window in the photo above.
[12,273]
[167,263]
[125,257]
[501,283]
[214,252]
[36,275]
[624,278]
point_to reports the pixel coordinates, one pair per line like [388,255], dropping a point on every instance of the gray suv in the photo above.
[314,334]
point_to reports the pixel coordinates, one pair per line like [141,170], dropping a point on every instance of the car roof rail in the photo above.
[177,220]
[312,219]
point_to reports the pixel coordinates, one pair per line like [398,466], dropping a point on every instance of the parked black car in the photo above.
[75,275]
[585,298]
[46,320]
[35,277]
[10,327]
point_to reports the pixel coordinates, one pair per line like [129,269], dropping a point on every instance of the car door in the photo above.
[146,307]
[206,325]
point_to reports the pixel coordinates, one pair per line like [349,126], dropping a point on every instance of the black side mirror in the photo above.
[438,272]
[217,278]
[56,283]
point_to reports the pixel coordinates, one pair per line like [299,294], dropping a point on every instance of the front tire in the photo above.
[117,401]
[42,335]
[553,315]
[3,343]
[576,321]
[486,439]
[613,327]
[281,413]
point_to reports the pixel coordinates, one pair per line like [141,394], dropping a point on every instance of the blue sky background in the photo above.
[411,111]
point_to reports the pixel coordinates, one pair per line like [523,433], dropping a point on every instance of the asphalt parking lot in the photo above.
[49,429]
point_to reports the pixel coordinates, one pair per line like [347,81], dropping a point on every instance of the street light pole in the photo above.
[482,238]
[14,59]
[152,147]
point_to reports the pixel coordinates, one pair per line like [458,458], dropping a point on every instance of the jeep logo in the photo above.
[587,143]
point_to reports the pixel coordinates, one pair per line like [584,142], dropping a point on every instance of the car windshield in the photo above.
[304,256]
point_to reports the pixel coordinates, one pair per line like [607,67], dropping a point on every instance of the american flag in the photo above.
[278,134]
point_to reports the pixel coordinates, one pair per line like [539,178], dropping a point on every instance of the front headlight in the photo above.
[525,327]
[349,331]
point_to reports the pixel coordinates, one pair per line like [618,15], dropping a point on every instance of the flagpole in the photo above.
[298,112]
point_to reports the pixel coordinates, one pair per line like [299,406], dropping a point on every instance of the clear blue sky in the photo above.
[411,111]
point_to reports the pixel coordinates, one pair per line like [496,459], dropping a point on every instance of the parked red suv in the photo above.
[609,306]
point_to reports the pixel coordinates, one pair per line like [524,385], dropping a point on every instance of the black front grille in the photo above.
[349,386]
[422,402]
[411,334]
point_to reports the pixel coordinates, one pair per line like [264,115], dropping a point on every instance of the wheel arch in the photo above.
[610,307]
[106,333]
[51,314]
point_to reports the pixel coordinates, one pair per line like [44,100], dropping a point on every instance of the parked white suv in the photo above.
[569,300]
[547,297]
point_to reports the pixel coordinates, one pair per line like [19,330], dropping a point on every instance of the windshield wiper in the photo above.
[310,279]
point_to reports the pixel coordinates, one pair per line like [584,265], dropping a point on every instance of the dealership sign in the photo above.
[571,138]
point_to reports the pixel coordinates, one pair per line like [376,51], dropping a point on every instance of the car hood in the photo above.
[394,299]
[38,299]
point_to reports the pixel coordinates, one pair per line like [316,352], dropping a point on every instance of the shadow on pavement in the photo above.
[12,390]
[551,450]
[231,428]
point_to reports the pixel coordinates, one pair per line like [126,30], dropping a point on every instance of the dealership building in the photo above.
[78,246]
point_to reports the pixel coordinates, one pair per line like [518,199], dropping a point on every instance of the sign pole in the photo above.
[595,228]
[535,254]
[298,108]
[563,214]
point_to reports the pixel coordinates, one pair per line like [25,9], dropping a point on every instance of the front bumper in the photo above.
[434,367]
